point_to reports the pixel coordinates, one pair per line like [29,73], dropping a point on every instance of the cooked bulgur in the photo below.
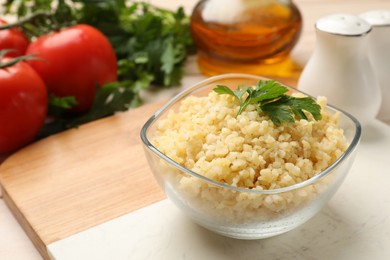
[206,136]
[248,150]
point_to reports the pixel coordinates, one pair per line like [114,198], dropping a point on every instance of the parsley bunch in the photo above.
[271,99]
[151,45]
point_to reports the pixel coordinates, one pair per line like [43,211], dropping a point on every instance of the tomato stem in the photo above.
[32,18]
[13,61]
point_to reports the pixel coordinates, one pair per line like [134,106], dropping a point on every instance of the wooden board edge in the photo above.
[28,229]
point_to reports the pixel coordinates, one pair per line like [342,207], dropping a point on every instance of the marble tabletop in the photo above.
[355,224]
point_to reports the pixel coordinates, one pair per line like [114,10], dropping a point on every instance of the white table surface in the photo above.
[354,225]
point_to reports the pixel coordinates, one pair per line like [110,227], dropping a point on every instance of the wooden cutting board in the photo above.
[80,178]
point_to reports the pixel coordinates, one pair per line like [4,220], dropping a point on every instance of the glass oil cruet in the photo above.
[340,68]
[247,36]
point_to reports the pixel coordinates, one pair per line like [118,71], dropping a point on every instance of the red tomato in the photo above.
[23,106]
[13,39]
[75,60]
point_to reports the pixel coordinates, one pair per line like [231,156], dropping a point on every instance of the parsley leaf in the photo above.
[238,93]
[109,99]
[267,90]
[221,89]
[278,113]
[57,106]
[271,98]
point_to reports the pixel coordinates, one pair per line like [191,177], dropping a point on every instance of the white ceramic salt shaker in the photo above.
[379,53]
[340,68]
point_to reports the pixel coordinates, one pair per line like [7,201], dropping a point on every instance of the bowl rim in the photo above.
[350,149]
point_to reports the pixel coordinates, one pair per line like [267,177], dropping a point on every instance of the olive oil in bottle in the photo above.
[246,36]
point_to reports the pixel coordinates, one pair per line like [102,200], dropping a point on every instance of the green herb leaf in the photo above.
[62,102]
[221,89]
[58,106]
[241,90]
[109,99]
[267,90]
[278,113]
[271,98]
[238,94]
[299,105]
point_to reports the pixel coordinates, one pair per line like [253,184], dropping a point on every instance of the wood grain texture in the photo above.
[80,178]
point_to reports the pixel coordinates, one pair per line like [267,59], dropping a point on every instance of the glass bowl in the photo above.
[229,210]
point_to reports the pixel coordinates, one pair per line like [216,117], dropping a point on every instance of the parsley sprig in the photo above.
[272,100]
